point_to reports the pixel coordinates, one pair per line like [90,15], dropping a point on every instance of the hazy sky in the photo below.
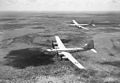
[60,5]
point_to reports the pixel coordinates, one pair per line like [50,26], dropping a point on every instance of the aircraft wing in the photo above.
[73,60]
[59,42]
[83,27]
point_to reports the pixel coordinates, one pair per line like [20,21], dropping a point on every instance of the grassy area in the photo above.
[23,58]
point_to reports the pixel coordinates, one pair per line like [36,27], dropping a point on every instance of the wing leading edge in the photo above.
[73,60]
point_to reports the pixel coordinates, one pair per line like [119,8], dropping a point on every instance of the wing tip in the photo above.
[56,36]
[82,68]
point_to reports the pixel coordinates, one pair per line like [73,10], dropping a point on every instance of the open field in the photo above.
[25,36]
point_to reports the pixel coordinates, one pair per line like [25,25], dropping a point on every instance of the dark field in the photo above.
[25,36]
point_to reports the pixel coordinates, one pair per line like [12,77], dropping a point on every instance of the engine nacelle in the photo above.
[63,57]
[54,44]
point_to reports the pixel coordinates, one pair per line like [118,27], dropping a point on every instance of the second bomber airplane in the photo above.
[82,26]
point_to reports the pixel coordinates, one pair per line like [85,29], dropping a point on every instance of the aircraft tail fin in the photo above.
[90,46]
[92,23]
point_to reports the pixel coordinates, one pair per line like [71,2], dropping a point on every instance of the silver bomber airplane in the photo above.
[64,52]
[82,26]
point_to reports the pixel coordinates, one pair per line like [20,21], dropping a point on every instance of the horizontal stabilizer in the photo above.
[93,50]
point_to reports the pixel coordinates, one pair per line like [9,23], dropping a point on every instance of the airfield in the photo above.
[24,38]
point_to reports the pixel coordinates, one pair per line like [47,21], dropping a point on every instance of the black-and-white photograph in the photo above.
[59,41]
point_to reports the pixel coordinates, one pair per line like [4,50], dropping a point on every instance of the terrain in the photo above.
[24,38]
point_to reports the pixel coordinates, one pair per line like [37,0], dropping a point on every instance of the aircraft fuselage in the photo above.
[67,50]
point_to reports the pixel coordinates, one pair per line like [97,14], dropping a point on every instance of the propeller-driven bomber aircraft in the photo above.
[64,52]
[82,26]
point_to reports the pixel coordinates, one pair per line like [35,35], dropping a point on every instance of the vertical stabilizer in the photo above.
[90,46]
[92,23]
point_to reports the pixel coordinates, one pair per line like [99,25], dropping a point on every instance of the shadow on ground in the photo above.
[29,57]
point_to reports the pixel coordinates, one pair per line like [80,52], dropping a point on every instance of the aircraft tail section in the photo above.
[92,23]
[90,46]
